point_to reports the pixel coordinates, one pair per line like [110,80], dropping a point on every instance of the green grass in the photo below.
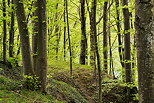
[61,66]
[12,92]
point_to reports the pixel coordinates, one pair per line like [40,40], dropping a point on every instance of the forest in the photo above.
[77,51]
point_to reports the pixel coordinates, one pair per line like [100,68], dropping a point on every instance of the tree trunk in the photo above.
[64,30]
[69,38]
[95,47]
[127,50]
[105,37]
[11,38]
[119,34]
[41,66]
[24,37]
[57,33]
[83,51]
[4,31]
[35,38]
[144,24]
[92,37]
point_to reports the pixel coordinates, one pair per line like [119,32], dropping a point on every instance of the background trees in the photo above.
[88,32]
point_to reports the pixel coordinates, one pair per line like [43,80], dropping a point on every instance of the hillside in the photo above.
[80,88]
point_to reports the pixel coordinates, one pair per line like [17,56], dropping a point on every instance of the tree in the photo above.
[95,47]
[144,24]
[83,51]
[127,50]
[118,33]
[4,31]
[57,32]
[24,37]
[64,42]
[41,33]
[11,33]
[105,37]
[69,37]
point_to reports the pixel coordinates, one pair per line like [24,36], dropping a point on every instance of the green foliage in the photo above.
[133,90]
[31,82]
[108,84]
[13,61]
[8,84]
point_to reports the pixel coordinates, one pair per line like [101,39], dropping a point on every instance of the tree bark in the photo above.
[35,38]
[95,47]
[11,38]
[41,66]
[83,50]
[24,37]
[69,38]
[4,31]
[57,33]
[92,37]
[119,34]
[127,50]
[64,30]
[144,24]
[105,38]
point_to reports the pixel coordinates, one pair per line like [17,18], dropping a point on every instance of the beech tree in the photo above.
[83,52]
[144,24]
[105,37]
[24,37]
[4,31]
[42,55]
[40,41]
[11,32]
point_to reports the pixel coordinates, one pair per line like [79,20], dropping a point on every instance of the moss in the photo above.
[62,90]
[11,93]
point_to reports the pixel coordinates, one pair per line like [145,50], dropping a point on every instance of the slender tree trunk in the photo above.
[69,38]
[119,34]
[110,45]
[127,51]
[18,50]
[105,37]
[144,24]
[94,34]
[83,51]
[11,38]
[92,42]
[41,66]
[24,37]
[4,30]
[35,38]
[133,54]
[57,32]
[64,30]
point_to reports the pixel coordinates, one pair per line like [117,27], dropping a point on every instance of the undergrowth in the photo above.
[12,92]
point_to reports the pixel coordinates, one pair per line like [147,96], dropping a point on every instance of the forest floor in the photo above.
[81,87]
